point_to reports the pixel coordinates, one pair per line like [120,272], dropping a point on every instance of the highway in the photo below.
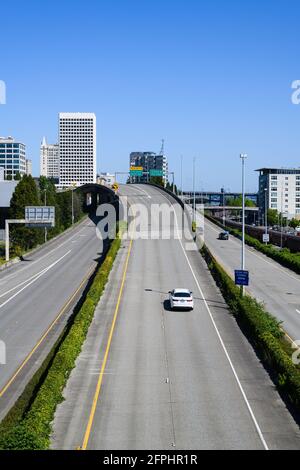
[151,378]
[35,302]
[277,287]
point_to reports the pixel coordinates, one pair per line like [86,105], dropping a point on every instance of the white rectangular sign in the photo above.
[43,214]
[266,238]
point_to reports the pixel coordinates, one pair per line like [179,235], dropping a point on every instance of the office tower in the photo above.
[77,149]
[49,160]
[12,157]
[28,167]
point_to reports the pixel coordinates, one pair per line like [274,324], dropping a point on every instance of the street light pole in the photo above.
[45,201]
[266,214]
[181,158]
[224,214]
[194,198]
[73,186]
[243,157]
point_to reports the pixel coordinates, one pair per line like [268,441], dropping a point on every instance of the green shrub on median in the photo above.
[262,329]
[33,432]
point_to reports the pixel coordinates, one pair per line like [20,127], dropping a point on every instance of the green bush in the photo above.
[33,431]
[262,329]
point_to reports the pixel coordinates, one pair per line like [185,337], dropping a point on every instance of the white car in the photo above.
[181,298]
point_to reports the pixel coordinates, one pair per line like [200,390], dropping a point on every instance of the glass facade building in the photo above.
[148,161]
[12,157]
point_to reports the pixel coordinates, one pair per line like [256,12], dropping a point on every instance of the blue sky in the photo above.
[213,78]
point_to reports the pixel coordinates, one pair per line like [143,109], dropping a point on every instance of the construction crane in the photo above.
[162,149]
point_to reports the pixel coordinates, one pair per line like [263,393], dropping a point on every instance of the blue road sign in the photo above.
[241,277]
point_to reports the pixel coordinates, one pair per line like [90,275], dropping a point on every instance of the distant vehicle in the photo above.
[181,298]
[224,235]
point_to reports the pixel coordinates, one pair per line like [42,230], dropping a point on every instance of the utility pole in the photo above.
[243,157]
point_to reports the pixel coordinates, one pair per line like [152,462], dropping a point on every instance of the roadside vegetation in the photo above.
[263,331]
[28,193]
[284,256]
[28,425]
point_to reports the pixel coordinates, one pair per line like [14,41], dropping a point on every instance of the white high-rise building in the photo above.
[49,160]
[279,188]
[28,167]
[77,149]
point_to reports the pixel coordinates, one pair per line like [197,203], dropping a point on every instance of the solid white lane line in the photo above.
[35,279]
[257,427]
[22,283]
[11,276]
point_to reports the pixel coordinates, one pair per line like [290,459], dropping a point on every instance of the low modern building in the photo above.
[49,160]
[6,191]
[279,188]
[151,164]
[12,157]
[106,179]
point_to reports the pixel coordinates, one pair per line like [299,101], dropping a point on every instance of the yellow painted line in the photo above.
[62,311]
[99,383]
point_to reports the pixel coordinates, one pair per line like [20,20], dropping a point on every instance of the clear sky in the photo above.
[213,78]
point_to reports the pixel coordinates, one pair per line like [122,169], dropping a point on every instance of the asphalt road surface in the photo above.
[151,378]
[271,283]
[33,293]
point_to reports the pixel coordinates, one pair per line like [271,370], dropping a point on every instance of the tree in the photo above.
[238,202]
[26,194]
[294,223]
[48,194]
[64,201]
[157,180]
[273,217]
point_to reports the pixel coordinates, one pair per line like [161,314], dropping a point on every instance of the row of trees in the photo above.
[28,193]
[276,218]
[160,182]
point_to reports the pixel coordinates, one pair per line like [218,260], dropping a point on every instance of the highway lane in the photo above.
[271,283]
[169,380]
[34,292]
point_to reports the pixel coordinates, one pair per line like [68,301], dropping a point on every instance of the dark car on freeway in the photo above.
[224,235]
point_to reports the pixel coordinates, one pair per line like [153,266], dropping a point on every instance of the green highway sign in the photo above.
[156,173]
[136,172]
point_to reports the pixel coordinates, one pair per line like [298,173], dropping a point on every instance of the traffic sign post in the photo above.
[35,217]
[241,277]
[45,215]
[136,171]
[266,238]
